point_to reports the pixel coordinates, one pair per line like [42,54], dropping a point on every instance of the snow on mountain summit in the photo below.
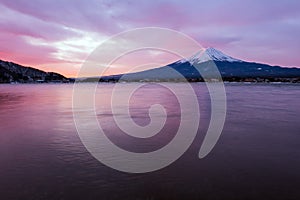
[217,55]
[209,54]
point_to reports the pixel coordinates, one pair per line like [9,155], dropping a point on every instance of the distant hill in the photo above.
[12,72]
[231,69]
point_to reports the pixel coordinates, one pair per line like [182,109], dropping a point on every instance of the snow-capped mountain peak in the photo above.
[209,54]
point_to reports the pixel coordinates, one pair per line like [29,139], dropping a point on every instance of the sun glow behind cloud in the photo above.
[72,51]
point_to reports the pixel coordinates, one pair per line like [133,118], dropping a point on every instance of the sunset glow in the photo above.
[59,35]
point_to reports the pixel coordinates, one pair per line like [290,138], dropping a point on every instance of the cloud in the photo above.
[19,50]
[90,16]
[24,25]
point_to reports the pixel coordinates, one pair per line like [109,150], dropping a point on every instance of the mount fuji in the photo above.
[231,69]
[208,55]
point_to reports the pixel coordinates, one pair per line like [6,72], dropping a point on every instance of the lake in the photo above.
[256,157]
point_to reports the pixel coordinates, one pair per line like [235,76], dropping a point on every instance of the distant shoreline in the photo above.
[247,80]
[224,79]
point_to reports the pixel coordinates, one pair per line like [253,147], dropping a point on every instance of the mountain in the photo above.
[231,69]
[209,54]
[12,72]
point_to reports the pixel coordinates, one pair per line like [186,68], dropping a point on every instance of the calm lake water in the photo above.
[257,156]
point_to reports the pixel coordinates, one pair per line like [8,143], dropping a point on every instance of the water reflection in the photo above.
[41,156]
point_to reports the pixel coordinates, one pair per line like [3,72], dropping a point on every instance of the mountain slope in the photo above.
[231,69]
[12,72]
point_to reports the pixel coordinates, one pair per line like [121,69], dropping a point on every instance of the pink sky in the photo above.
[58,35]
